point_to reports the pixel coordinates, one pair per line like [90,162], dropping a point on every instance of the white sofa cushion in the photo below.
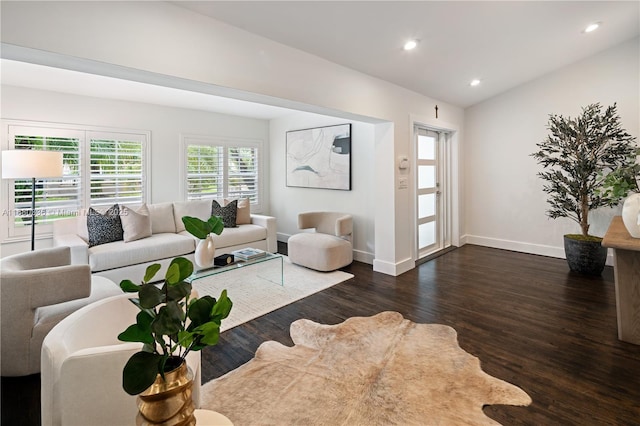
[195,208]
[155,247]
[162,218]
[243,234]
[318,251]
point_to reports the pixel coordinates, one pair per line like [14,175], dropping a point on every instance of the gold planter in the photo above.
[168,402]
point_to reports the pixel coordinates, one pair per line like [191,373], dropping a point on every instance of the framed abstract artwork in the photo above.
[320,157]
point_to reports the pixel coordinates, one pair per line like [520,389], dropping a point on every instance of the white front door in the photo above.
[431,155]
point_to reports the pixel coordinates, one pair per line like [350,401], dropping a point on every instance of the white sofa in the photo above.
[120,260]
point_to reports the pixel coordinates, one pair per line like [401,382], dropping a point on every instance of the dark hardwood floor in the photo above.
[529,320]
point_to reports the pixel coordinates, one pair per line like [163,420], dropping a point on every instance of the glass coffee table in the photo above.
[268,267]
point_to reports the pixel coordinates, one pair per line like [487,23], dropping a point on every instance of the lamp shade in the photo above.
[27,163]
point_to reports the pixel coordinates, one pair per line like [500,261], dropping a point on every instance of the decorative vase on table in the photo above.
[205,252]
[631,215]
[168,402]
[202,230]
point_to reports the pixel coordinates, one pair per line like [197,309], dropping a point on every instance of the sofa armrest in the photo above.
[268,222]
[65,226]
[79,247]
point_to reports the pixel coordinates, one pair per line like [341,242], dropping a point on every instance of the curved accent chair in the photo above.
[37,290]
[82,363]
[329,247]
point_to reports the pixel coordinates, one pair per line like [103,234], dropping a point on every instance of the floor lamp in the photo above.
[31,164]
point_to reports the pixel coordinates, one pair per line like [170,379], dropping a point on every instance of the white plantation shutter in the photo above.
[242,173]
[116,169]
[205,172]
[217,168]
[99,169]
[55,197]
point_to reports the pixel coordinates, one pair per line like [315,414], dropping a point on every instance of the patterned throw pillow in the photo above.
[227,213]
[243,217]
[104,228]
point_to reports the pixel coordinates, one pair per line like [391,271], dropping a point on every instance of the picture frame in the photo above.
[319,157]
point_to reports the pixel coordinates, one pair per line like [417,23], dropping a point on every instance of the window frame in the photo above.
[10,128]
[225,142]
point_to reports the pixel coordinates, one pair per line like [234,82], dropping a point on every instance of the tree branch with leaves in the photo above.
[579,154]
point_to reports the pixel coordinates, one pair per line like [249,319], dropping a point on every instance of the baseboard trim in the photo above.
[522,247]
[363,256]
[283,238]
[393,269]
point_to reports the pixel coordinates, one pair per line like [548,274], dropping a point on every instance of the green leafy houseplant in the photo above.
[170,324]
[619,183]
[580,154]
[200,228]
[205,248]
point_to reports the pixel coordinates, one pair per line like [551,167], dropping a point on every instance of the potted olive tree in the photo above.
[577,155]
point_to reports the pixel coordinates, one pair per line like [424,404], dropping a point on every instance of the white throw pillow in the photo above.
[162,218]
[135,224]
[196,208]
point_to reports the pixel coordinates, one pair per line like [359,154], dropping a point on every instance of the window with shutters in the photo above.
[100,168]
[222,168]
[116,169]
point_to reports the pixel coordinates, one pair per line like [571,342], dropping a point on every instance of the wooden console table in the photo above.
[626,256]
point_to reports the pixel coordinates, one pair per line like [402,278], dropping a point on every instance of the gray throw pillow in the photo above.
[104,228]
[227,213]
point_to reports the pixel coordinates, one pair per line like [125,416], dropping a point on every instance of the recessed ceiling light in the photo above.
[592,27]
[411,44]
[474,82]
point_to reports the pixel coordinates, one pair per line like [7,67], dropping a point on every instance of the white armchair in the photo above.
[37,290]
[82,362]
[326,249]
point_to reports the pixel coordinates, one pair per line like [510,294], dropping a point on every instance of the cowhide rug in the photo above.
[379,370]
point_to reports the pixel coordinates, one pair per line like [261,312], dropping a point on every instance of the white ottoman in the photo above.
[322,252]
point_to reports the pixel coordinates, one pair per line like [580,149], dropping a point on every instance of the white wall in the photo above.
[505,205]
[162,38]
[165,123]
[287,202]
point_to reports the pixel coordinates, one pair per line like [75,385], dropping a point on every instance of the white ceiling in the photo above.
[23,74]
[502,43]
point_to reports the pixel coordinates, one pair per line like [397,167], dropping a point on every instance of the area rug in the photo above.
[253,296]
[379,370]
